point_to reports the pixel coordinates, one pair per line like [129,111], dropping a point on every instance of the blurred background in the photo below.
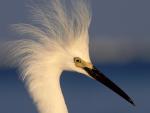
[119,46]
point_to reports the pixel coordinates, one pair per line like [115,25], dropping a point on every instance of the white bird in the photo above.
[57,40]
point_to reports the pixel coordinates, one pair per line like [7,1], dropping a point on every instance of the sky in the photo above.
[122,28]
[119,45]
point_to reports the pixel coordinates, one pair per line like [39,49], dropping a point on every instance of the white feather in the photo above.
[57,35]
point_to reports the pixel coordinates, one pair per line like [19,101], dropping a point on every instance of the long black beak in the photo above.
[94,73]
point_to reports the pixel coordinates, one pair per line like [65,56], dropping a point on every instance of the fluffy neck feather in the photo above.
[46,92]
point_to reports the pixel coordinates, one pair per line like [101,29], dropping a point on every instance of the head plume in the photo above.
[58,29]
[62,23]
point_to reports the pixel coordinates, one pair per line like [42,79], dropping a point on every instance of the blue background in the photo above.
[117,18]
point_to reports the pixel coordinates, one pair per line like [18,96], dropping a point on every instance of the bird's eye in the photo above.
[77,60]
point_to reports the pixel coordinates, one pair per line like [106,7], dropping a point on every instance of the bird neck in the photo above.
[46,93]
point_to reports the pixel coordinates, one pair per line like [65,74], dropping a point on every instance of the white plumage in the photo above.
[57,35]
[57,40]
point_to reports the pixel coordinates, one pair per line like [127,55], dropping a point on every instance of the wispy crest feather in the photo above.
[56,26]
[52,19]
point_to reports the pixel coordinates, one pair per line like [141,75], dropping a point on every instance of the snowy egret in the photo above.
[57,40]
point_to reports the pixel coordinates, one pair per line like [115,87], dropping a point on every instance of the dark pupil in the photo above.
[78,61]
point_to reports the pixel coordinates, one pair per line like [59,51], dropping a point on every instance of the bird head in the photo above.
[78,60]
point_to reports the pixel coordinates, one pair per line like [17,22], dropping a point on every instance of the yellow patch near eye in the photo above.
[81,63]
